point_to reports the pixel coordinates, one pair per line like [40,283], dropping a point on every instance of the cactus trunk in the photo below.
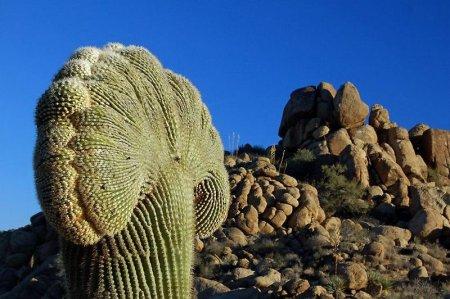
[151,258]
[128,169]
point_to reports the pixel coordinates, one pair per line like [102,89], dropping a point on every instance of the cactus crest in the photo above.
[128,168]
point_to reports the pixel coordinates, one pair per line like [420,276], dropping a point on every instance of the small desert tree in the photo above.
[338,194]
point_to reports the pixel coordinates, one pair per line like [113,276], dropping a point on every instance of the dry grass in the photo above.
[380,279]
[416,289]
[294,272]
[436,250]
[335,285]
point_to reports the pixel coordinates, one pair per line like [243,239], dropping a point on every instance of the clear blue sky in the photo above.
[244,56]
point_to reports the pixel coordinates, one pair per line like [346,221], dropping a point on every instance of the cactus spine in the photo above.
[128,168]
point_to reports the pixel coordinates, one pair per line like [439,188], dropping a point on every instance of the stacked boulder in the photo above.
[312,117]
[431,210]
[434,146]
[379,153]
[266,202]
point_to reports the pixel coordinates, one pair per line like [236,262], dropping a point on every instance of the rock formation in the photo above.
[267,201]
[285,247]
[380,153]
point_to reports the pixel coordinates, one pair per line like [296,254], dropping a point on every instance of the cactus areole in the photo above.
[128,168]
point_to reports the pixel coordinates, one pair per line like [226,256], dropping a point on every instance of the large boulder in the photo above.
[308,210]
[243,189]
[432,264]
[310,127]
[375,249]
[259,202]
[300,105]
[320,132]
[270,277]
[338,141]
[296,287]
[416,134]
[205,288]
[349,110]
[389,150]
[325,96]
[365,134]
[354,275]
[387,170]
[247,221]
[436,150]
[287,180]
[275,217]
[418,130]
[315,236]
[318,148]
[236,236]
[426,223]
[379,117]
[355,159]
[418,273]
[293,137]
[393,232]
[412,164]
[242,273]
[300,218]
[426,197]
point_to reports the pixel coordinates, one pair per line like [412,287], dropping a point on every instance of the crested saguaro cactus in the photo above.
[128,169]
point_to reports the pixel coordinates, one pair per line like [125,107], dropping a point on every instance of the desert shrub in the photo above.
[340,195]
[292,260]
[282,260]
[321,252]
[255,150]
[301,164]
[356,207]
[436,250]
[207,271]
[434,176]
[416,289]
[203,266]
[350,234]
[265,245]
[336,284]
[379,279]
[294,272]
[304,155]
[445,288]
[214,247]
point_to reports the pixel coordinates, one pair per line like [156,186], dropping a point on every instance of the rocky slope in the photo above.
[279,242]
[380,154]
[339,208]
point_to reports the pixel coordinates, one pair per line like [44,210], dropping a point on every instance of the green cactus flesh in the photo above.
[128,168]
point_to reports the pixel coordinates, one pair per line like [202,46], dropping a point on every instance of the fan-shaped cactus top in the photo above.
[112,123]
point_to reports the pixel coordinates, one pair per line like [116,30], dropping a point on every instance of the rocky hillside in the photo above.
[339,208]
[333,123]
[405,165]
